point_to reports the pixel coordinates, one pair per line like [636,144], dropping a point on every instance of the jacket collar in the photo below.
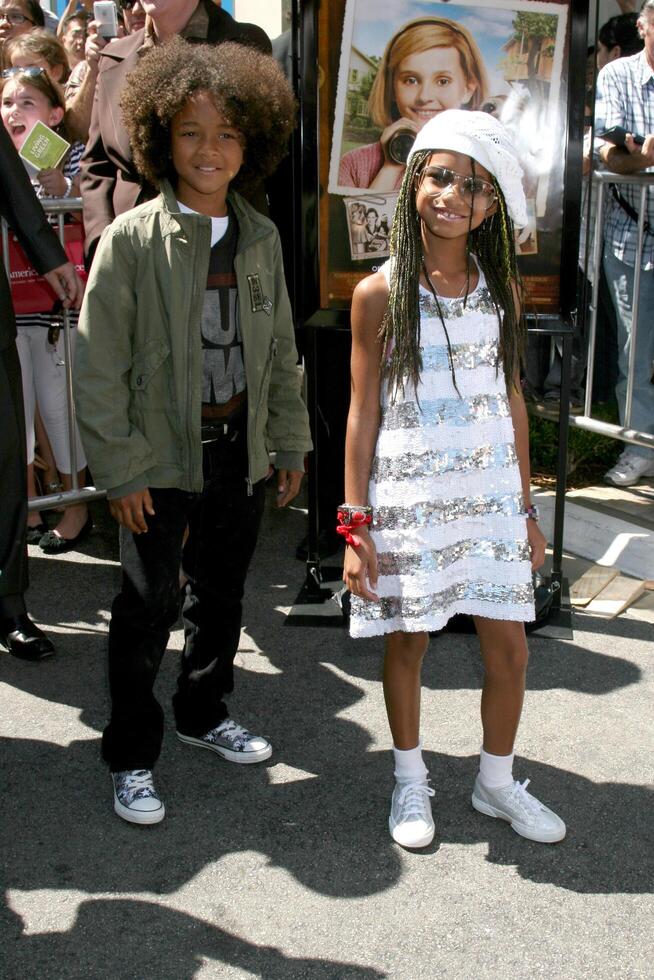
[252,226]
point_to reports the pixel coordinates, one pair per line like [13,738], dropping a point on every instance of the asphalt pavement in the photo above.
[286,869]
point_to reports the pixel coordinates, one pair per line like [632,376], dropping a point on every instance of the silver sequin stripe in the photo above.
[480,302]
[455,411]
[394,563]
[435,512]
[414,466]
[464,356]
[422,607]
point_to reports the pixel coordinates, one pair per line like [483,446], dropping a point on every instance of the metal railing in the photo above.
[60,207]
[603,181]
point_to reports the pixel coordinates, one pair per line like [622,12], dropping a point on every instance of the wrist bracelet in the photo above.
[350,517]
[531,513]
[354,515]
[69,186]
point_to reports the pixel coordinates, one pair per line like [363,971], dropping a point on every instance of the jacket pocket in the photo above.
[146,363]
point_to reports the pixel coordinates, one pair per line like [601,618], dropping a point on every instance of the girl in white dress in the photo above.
[437,516]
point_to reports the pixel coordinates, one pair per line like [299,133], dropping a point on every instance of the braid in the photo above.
[493,244]
[400,329]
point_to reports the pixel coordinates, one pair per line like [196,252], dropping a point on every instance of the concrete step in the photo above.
[607,525]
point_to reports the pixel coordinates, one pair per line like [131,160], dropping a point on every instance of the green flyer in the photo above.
[43,148]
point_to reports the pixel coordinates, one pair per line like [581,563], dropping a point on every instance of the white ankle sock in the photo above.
[409,764]
[495,771]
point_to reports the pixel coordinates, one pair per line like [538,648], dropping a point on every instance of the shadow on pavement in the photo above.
[453,661]
[130,939]
[329,832]
[322,822]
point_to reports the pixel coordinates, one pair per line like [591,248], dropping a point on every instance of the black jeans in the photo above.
[223,523]
[13,487]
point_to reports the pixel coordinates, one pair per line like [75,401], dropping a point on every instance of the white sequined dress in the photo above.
[449,523]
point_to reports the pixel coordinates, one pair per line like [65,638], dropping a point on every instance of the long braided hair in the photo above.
[493,246]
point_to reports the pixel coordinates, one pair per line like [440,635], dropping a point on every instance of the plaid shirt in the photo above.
[625,97]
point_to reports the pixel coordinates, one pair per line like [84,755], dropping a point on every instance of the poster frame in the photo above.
[311,246]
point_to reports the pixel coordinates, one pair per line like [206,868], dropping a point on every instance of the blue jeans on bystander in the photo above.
[620,278]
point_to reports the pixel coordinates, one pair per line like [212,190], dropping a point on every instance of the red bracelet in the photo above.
[354,519]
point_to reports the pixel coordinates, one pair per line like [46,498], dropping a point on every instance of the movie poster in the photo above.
[399,64]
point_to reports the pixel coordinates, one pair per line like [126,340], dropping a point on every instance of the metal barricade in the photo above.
[603,180]
[60,207]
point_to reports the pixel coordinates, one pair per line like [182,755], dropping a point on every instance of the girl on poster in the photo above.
[430,64]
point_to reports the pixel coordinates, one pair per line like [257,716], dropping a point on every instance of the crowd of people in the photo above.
[172,129]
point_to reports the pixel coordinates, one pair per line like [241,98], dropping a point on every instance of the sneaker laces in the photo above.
[412,799]
[528,803]
[236,734]
[135,784]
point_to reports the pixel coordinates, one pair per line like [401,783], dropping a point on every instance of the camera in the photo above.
[104,11]
[399,145]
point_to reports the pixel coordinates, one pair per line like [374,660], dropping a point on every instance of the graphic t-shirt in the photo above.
[223,371]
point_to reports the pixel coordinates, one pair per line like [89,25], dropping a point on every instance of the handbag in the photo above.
[544,593]
[30,292]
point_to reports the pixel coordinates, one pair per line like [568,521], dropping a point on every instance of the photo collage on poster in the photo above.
[402,63]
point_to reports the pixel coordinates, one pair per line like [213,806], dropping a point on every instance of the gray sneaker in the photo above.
[232,742]
[528,816]
[410,822]
[135,798]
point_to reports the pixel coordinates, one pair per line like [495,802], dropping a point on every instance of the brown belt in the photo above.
[226,412]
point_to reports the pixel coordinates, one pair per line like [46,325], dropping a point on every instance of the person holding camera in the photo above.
[625,98]
[429,65]
[80,87]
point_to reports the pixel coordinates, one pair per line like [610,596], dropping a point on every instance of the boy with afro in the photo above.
[185,379]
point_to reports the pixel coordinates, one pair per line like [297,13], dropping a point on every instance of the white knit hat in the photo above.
[482,137]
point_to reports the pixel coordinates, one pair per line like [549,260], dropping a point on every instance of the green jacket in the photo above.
[138,364]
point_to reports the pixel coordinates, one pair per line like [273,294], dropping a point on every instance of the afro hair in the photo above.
[247,88]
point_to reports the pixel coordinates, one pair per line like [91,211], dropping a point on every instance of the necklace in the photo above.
[432,286]
[434,293]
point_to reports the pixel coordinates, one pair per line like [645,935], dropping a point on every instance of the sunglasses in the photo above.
[436,180]
[32,72]
[126,4]
[14,17]
[35,72]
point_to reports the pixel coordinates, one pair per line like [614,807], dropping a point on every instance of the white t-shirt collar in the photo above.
[219,226]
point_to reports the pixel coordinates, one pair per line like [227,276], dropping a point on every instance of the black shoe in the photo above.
[552,400]
[24,639]
[36,532]
[329,542]
[53,544]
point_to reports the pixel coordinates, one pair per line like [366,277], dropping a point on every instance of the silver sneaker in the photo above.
[410,822]
[232,742]
[135,798]
[528,816]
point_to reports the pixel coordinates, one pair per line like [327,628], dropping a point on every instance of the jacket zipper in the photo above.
[189,400]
